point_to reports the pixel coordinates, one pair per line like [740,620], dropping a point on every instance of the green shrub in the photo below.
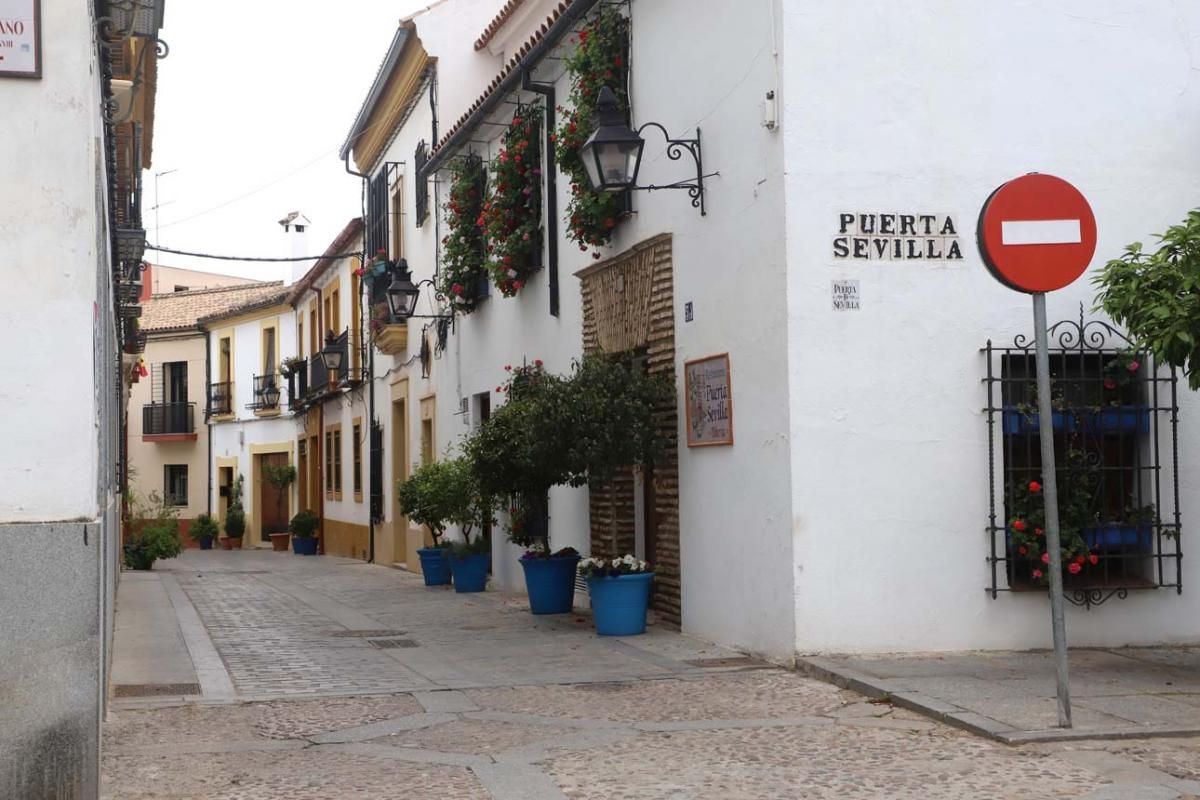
[471,547]
[204,527]
[235,516]
[153,530]
[443,493]
[304,525]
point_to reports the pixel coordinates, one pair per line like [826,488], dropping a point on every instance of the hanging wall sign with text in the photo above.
[708,397]
[20,38]
[894,236]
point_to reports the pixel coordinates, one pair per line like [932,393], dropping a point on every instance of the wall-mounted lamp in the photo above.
[613,153]
[402,295]
[332,353]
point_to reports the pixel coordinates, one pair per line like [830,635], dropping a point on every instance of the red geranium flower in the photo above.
[1037,573]
[457,288]
[537,362]
[1045,558]
[1095,559]
[583,36]
[1018,525]
[1074,568]
[1021,550]
[1037,532]
[1079,560]
[1035,487]
[1110,384]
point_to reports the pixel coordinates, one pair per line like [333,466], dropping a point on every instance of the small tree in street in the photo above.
[281,477]
[444,493]
[1155,295]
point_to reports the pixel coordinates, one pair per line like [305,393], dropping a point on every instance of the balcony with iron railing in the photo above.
[220,399]
[168,422]
[266,394]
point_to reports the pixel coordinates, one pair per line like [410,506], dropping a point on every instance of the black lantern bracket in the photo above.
[429,282]
[675,151]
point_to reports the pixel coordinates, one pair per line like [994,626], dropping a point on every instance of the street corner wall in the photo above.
[50,669]
[915,114]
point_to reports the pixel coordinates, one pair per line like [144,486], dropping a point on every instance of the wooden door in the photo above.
[273,500]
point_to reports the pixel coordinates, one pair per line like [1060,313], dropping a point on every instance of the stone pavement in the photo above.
[476,698]
[1012,696]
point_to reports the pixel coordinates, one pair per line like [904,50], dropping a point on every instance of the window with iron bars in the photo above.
[1115,423]
[421,205]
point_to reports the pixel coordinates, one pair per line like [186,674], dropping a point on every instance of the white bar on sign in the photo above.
[1040,231]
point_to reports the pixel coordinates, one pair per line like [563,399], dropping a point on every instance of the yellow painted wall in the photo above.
[345,539]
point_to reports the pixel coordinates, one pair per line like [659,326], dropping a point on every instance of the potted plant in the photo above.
[204,530]
[438,494]
[290,364]
[563,430]
[469,561]
[153,532]
[620,592]
[235,518]
[304,533]
[281,477]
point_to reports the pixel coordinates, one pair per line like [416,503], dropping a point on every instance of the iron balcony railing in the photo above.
[297,386]
[220,398]
[164,418]
[267,392]
[318,376]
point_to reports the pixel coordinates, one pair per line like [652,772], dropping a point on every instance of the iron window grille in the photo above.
[297,387]
[159,419]
[175,485]
[1115,420]
[421,205]
[220,398]
[261,384]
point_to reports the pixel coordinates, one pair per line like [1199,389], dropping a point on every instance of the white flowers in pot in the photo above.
[612,567]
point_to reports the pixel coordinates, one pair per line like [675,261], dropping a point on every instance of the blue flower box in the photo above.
[1119,419]
[1119,537]
[1018,422]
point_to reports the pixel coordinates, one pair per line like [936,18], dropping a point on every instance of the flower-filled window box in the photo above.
[512,215]
[599,60]
[463,277]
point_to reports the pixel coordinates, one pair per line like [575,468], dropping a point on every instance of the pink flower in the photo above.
[1073,568]
[1095,559]
[537,362]
[457,288]
[1133,366]
[1037,574]
[1045,558]
[1110,384]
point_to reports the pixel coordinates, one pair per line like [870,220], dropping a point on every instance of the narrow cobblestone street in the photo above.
[328,678]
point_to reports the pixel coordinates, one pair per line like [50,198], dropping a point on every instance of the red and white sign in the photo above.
[1037,233]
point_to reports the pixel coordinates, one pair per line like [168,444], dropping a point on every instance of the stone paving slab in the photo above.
[1011,696]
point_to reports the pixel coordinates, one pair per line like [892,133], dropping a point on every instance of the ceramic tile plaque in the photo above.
[709,401]
[20,39]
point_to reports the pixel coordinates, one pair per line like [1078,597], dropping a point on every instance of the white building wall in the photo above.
[237,438]
[926,108]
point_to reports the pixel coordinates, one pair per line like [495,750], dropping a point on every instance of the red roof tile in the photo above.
[498,22]
[512,64]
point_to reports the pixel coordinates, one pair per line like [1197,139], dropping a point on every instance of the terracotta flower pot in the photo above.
[279,542]
[225,543]
[235,544]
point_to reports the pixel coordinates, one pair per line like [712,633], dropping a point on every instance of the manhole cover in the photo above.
[378,634]
[154,689]
[732,661]
[391,644]
[602,687]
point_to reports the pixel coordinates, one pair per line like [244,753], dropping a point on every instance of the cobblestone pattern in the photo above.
[273,644]
[1179,758]
[298,720]
[474,737]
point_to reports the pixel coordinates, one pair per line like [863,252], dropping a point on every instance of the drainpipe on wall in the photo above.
[207,427]
[370,377]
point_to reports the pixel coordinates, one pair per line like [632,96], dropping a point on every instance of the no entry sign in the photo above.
[1037,233]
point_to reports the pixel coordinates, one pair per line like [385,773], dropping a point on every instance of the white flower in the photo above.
[512,273]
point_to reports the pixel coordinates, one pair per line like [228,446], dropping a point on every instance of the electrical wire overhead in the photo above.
[158,249]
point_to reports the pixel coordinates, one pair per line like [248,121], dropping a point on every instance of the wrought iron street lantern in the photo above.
[402,293]
[612,155]
[271,395]
[331,353]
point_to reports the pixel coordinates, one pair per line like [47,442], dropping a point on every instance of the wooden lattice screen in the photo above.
[628,307]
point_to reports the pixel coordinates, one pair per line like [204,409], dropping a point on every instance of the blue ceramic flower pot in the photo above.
[619,604]
[1120,419]
[550,583]
[434,566]
[1018,422]
[304,547]
[470,572]
[206,543]
[1119,537]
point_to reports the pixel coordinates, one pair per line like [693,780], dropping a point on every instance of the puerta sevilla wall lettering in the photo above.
[897,237]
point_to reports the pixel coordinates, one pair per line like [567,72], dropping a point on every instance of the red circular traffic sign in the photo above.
[1037,233]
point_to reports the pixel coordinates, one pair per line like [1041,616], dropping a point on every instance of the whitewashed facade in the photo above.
[851,512]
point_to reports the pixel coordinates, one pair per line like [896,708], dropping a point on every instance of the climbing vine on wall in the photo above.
[464,259]
[512,215]
[599,60]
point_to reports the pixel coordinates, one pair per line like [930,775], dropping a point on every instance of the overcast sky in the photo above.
[254,101]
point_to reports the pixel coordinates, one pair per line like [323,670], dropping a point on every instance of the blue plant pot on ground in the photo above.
[1118,537]
[434,566]
[619,604]
[304,547]
[206,543]
[550,583]
[470,572]
[1017,422]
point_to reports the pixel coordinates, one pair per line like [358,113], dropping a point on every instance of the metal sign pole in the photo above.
[1050,492]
